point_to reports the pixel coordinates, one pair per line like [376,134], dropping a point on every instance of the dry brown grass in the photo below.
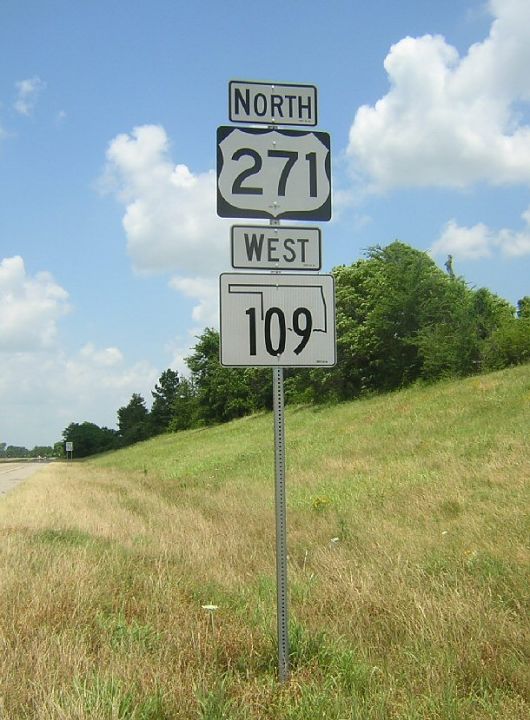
[417,610]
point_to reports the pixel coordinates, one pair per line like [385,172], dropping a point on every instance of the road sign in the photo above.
[261,247]
[277,320]
[273,173]
[272,103]
[69,446]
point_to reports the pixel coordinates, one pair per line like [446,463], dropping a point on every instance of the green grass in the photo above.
[408,568]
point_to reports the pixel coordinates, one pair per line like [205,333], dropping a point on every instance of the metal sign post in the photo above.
[275,320]
[280,500]
[69,447]
[281,526]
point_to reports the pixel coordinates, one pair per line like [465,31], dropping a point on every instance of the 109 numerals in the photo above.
[302,322]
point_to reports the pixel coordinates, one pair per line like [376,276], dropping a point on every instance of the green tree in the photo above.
[490,312]
[16,451]
[133,421]
[456,345]
[404,297]
[508,345]
[222,393]
[184,408]
[42,451]
[164,396]
[58,449]
[89,439]
[523,307]
[382,304]
[400,318]
[449,345]
[259,383]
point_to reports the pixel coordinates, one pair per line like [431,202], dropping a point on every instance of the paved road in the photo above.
[11,474]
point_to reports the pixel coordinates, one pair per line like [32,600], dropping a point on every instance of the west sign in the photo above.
[261,247]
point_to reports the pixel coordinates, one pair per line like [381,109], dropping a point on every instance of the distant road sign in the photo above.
[272,103]
[69,446]
[277,320]
[273,173]
[262,247]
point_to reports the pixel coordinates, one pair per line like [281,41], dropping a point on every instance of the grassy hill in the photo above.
[408,568]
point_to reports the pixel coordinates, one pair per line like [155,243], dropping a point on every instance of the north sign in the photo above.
[277,320]
[261,247]
[273,173]
[272,103]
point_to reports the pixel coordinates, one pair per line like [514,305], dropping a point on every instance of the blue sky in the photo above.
[110,247]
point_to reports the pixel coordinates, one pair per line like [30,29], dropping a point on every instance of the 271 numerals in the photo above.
[290,157]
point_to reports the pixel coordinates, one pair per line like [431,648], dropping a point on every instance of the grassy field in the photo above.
[408,568]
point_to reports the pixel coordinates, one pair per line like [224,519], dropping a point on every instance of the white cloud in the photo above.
[43,388]
[43,392]
[108,357]
[170,217]
[95,382]
[449,120]
[475,242]
[206,290]
[481,241]
[28,92]
[180,349]
[30,307]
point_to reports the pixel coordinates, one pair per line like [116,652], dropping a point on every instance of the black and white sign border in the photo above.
[260,282]
[228,210]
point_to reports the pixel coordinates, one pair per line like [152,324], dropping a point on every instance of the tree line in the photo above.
[400,319]
[19,451]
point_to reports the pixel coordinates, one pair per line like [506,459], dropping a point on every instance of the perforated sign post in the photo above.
[275,320]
